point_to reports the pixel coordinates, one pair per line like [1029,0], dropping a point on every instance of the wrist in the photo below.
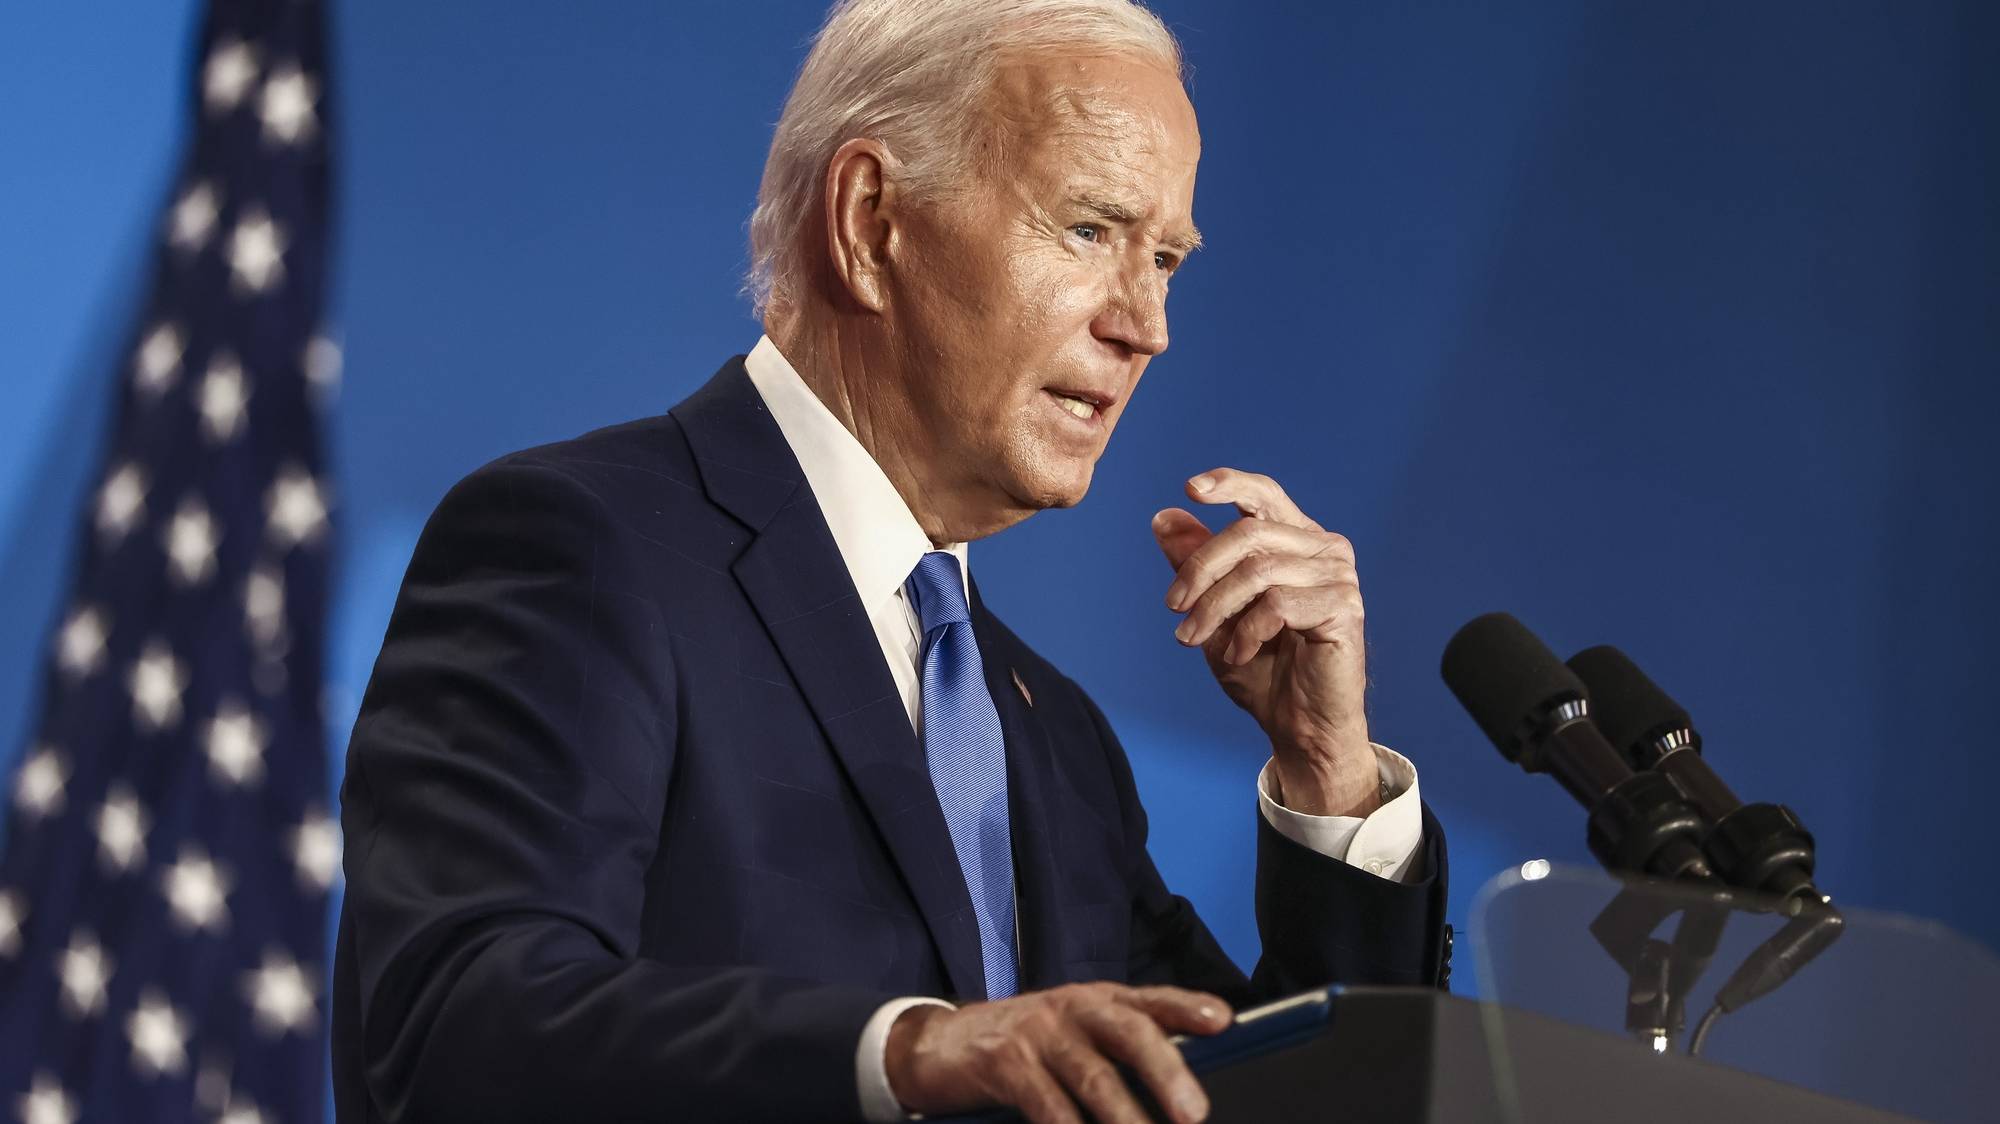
[899,1050]
[1321,783]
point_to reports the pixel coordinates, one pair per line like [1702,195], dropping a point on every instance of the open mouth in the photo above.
[1079,404]
[1076,406]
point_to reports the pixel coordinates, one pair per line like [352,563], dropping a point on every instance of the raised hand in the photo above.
[1274,602]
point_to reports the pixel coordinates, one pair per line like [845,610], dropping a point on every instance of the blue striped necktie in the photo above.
[968,760]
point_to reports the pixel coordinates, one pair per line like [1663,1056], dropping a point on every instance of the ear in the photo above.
[861,224]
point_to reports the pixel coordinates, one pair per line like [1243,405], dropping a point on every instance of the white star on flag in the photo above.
[157,681]
[190,542]
[295,508]
[256,251]
[85,969]
[45,1102]
[264,604]
[236,741]
[80,643]
[121,830]
[316,850]
[159,359]
[222,398]
[121,501]
[198,890]
[13,911]
[231,67]
[280,994]
[287,105]
[194,217]
[38,788]
[158,1034]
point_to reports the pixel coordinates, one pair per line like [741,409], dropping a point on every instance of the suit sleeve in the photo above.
[1322,921]
[506,783]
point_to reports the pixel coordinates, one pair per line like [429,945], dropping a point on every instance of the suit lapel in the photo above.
[1030,773]
[792,573]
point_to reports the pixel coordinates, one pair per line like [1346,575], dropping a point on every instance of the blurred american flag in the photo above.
[169,848]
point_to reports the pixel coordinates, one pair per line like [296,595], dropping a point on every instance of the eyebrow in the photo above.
[1112,211]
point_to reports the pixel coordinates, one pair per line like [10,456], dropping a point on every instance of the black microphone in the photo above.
[1758,847]
[1537,713]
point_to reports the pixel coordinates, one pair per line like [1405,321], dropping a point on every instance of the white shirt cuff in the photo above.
[1381,843]
[871,1076]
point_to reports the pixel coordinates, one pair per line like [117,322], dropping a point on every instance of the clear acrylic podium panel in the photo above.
[1897,1014]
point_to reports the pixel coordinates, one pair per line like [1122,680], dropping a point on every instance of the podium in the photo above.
[1404,1054]
[1591,992]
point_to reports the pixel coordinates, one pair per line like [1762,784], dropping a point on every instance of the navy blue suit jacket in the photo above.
[637,827]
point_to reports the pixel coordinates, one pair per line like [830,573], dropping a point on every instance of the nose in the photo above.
[1135,313]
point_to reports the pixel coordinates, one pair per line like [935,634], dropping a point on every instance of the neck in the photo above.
[850,364]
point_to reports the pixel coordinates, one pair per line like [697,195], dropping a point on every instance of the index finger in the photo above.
[1180,1010]
[1254,494]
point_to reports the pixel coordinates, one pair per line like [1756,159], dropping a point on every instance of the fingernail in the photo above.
[1191,1104]
[1206,1012]
[1185,630]
[1175,593]
[1202,483]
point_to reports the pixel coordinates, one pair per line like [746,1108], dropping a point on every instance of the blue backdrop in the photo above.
[1670,326]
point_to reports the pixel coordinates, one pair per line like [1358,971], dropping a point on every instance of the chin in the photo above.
[1044,489]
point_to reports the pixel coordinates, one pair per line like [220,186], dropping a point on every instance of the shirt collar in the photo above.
[877,536]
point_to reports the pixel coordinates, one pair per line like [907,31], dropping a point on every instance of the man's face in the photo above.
[1027,312]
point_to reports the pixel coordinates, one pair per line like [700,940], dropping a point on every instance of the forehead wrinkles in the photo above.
[1048,121]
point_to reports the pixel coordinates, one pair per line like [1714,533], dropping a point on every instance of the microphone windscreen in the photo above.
[1507,679]
[1628,707]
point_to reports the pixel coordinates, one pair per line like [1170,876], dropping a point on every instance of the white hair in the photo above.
[911,74]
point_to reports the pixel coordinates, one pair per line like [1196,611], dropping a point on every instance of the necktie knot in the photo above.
[938,589]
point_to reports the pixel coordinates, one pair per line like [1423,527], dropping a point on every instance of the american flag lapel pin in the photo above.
[1021,687]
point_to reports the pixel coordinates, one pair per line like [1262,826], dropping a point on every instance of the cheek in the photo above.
[1053,292]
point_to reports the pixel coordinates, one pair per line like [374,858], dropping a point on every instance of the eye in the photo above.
[1088,231]
[1166,262]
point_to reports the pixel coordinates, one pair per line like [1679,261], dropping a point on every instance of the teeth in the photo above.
[1076,406]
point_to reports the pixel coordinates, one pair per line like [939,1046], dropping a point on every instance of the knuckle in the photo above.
[1002,1050]
[1125,1022]
[1042,1104]
[1199,567]
[1098,1082]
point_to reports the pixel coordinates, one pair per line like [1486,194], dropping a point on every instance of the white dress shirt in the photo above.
[880,542]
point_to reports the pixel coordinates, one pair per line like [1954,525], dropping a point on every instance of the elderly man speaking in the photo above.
[696,781]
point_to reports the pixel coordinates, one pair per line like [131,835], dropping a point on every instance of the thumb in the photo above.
[1179,534]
